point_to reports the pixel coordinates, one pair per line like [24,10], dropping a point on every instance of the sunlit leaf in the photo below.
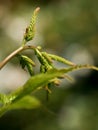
[33,83]
[43,79]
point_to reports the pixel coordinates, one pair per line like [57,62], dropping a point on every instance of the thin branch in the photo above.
[10,56]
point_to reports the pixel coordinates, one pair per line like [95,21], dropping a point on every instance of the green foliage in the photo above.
[49,74]
[25,61]
[30,30]
[58,58]
[45,64]
[27,102]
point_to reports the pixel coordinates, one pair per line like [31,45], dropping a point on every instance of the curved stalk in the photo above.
[10,56]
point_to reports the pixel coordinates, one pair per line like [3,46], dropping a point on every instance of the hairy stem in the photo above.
[10,56]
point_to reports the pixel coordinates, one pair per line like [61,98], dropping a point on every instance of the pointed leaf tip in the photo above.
[31,29]
[37,9]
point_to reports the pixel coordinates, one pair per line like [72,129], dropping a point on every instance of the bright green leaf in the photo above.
[43,79]
[36,81]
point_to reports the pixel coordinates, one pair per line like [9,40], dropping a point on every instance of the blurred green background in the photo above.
[68,28]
